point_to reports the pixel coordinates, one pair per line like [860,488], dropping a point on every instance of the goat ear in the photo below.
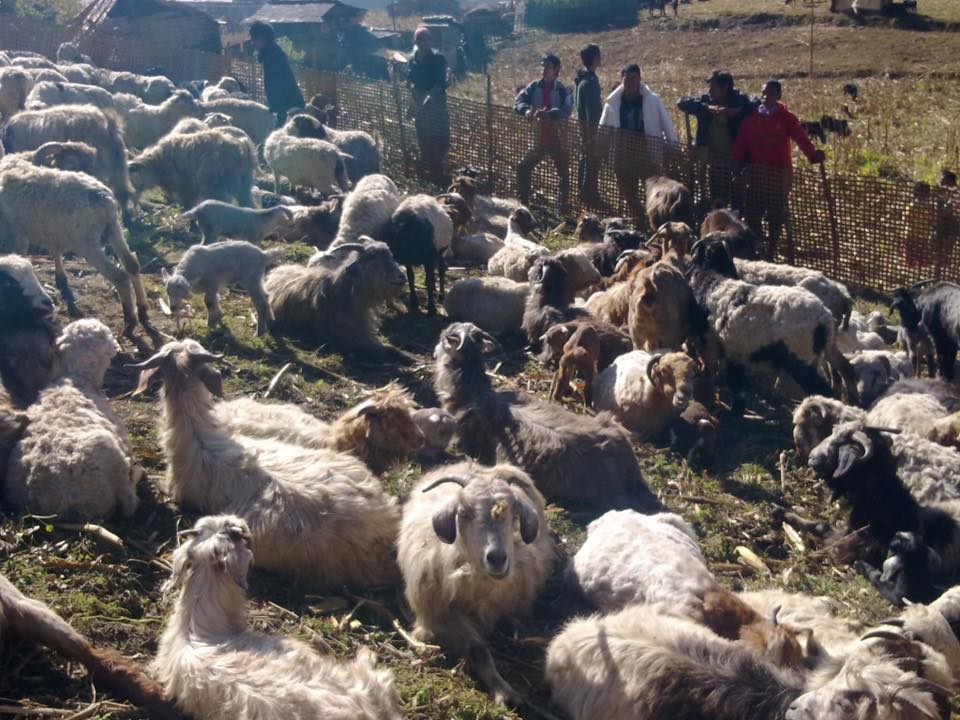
[848,457]
[164,275]
[211,377]
[146,378]
[445,521]
[529,520]
[489,344]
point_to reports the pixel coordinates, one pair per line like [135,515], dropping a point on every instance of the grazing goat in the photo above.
[420,233]
[580,356]
[359,148]
[207,268]
[213,666]
[338,303]
[474,547]
[74,459]
[939,307]
[556,447]
[646,391]
[613,342]
[71,212]
[917,340]
[305,162]
[317,516]
[663,312]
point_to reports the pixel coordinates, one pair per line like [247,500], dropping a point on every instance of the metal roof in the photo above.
[301,12]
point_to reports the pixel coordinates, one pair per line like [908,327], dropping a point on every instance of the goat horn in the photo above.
[890,430]
[651,366]
[895,621]
[204,356]
[866,443]
[151,362]
[188,533]
[881,634]
[697,244]
[455,479]
[773,615]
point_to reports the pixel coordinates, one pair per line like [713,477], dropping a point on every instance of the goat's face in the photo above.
[524,221]
[20,289]
[218,544]
[554,339]
[712,253]
[305,126]
[388,423]
[812,426]
[674,374]
[875,684]
[484,516]
[589,229]
[461,343]
[835,459]
[180,363]
[139,175]
[178,289]
[373,271]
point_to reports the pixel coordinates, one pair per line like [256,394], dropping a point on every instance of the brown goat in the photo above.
[667,200]
[663,312]
[613,341]
[675,240]
[36,623]
[380,431]
[316,225]
[740,239]
[589,229]
[729,617]
[580,355]
[72,156]
[458,210]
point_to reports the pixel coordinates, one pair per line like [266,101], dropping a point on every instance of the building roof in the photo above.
[288,12]
[99,10]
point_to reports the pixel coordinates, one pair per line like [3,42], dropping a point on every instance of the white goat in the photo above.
[367,210]
[47,94]
[473,548]
[494,304]
[219,219]
[317,516]
[305,162]
[519,253]
[213,666]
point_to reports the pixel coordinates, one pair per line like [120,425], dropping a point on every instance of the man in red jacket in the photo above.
[763,143]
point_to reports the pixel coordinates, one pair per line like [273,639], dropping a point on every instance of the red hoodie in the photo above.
[765,139]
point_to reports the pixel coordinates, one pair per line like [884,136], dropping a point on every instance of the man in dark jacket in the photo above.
[548,103]
[427,77]
[719,114]
[283,93]
[589,107]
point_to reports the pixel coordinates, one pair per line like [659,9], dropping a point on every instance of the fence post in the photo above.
[832,216]
[494,180]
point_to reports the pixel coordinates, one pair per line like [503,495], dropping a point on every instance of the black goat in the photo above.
[578,460]
[939,306]
[548,302]
[907,573]
[604,255]
[857,465]
[412,238]
[918,342]
[694,436]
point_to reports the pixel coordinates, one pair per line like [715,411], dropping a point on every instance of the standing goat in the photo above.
[207,268]
[214,667]
[574,459]
[474,547]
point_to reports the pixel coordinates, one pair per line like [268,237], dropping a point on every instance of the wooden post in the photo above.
[832,217]
[400,115]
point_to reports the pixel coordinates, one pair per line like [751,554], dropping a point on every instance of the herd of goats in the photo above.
[663,335]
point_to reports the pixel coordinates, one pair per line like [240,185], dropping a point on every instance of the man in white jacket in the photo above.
[640,123]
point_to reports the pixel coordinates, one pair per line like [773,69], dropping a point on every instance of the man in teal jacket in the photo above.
[589,107]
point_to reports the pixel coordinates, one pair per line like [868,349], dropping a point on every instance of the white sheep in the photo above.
[915,405]
[438,428]
[519,253]
[815,418]
[317,516]
[69,52]
[876,370]
[74,458]
[213,666]
[646,391]
[495,304]
[152,89]
[98,128]
[207,268]
[253,118]
[831,293]
[473,547]
[360,148]
[144,124]
[71,212]
[367,210]
[82,73]
[226,87]
[47,94]
[210,164]
[475,249]
[219,219]
[45,75]
[305,162]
